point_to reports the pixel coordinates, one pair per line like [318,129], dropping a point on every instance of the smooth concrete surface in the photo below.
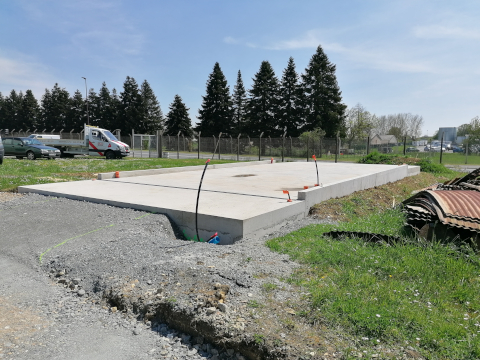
[122,174]
[236,201]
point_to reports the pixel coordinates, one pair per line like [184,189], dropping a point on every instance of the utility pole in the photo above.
[86,100]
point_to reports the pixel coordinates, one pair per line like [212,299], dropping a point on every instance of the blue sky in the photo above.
[412,56]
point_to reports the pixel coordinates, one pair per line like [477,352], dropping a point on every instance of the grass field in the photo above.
[415,293]
[15,172]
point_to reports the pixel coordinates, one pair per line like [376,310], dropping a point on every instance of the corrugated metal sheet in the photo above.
[455,204]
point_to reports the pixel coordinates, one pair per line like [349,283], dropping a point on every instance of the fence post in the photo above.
[133,142]
[337,148]
[214,145]
[368,144]
[441,148]
[466,150]
[198,149]
[307,149]
[283,146]
[260,146]
[291,145]
[405,147]
[178,145]
[219,135]
[231,145]
[160,143]
[320,149]
[238,147]
[183,137]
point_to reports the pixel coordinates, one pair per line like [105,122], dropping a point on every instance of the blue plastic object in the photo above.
[215,240]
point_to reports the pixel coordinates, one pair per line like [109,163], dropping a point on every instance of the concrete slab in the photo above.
[236,200]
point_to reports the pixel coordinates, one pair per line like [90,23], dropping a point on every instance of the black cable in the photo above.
[198,197]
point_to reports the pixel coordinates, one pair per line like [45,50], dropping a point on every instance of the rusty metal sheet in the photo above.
[457,207]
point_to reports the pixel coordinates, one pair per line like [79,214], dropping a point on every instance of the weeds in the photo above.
[416,292]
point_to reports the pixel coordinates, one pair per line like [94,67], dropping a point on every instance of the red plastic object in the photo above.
[117,174]
[271,161]
[206,162]
[305,187]
[314,157]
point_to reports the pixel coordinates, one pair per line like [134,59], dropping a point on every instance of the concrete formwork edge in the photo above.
[123,174]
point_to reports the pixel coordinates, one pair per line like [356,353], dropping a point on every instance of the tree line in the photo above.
[360,123]
[293,104]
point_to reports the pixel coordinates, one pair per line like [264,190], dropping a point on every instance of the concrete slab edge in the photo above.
[316,195]
[123,174]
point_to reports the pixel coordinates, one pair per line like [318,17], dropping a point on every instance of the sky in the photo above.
[407,56]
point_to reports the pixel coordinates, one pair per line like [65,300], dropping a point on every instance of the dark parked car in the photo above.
[457,149]
[1,150]
[412,149]
[30,148]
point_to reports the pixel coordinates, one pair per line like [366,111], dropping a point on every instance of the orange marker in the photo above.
[117,174]
[288,193]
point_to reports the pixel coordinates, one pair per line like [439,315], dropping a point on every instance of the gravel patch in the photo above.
[120,283]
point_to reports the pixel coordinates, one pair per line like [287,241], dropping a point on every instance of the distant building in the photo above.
[449,134]
[383,140]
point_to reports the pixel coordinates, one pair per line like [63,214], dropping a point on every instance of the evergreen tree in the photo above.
[94,108]
[178,119]
[55,105]
[114,121]
[216,113]
[239,106]
[322,96]
[152,113]
[29,112]
[290,107]
[12,109]
[263,102]
[76,114]
[130,113]
[107,112]
[2,112]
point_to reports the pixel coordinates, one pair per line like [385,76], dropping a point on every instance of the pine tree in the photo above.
[239,106]
[115,110]
[29,111]
[290,107]
[262,104]
[2,113]
[94,108]
[12,110]
[152,113]
[77,113]
[216,113]
[130,113]
[178,119]
[55,106]
[322,96]
[106,112]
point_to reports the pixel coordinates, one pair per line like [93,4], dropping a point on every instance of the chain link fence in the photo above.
[286,149]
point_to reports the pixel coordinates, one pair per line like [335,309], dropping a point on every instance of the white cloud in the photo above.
[386,57]
[445,32]
[20,73]
[230,40]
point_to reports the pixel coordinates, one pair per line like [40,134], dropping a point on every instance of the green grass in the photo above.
[417,293]
[14,172]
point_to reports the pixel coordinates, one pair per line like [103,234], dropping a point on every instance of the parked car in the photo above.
[438,148]
[30,148]
[1,150]
[412,149]
[427,148]
[457,149]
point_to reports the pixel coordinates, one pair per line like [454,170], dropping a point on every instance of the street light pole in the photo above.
[86,100]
